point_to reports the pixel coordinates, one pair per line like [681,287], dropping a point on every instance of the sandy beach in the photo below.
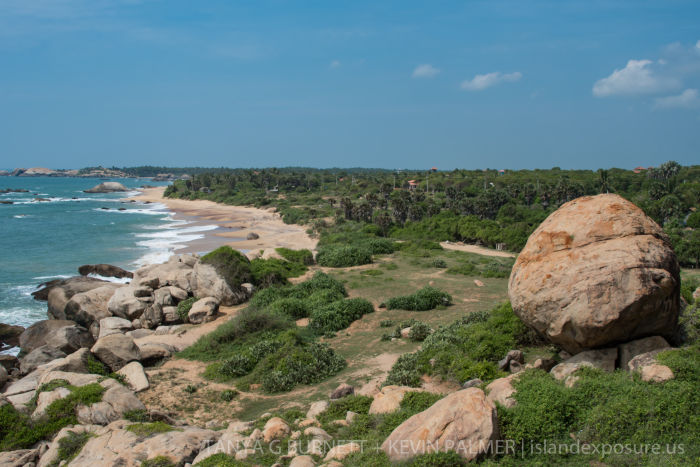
[235,223]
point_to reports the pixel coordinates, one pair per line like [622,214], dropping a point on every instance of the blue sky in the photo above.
[405,84]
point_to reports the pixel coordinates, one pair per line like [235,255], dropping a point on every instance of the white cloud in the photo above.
[334,64]
[637,77]
[697,45]
[425,71]
[688,99]
[481,82]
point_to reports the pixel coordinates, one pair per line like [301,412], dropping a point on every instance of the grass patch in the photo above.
[151,428]
[304,257]
[343,256]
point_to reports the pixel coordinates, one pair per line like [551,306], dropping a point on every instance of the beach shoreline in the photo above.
[233,224]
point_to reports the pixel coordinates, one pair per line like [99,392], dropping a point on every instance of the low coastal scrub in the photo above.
[304,257]
[19,431]
[70,445]
[147,429]
[611,408]
[184,307]
[468,348]
[338,315]
[262,344]
[273,271]
[343,256]
[427,298]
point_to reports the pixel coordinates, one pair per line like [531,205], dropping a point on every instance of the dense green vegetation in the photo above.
[468,348]
[427,298]
[19,431]
[488,207]
[262,344]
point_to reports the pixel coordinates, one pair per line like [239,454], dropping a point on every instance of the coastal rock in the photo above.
[116,350]
[114,325]
[170,315]
[19,458]
[107,187]
[135,376]
[39,356]
[176,271]
[389,399]
[597,272]
[316,409]
[501,390]
[77,362]
[152,317]
[35,335]
[88,307]
[275,428]
[203,310]
[341,391]
[464,421]
[9,335]
[125,305]
[252,236]
[342,451]
[116,400]
[302,461]
[104,270]
[59,291]
[630,350]
[4,376]
[47,398]
[68,339]
[656,373]
[115,445]
[153,352]
[9,362]
[208,283]
[51,455]
[603,359]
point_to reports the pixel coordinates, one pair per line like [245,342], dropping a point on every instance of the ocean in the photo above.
[44,240]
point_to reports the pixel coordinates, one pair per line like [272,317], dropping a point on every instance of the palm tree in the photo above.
[604,183]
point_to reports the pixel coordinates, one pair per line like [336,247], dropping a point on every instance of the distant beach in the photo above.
[234,223]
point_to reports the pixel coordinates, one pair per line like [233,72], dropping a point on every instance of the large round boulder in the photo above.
[107,187]
[597,272]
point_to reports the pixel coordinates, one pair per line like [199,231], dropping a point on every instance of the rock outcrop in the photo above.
[107,187]
[595,273]
[464,421]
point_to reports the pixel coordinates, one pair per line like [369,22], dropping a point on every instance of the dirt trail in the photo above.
[479,250]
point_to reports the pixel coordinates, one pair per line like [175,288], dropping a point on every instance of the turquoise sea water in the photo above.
[43,240]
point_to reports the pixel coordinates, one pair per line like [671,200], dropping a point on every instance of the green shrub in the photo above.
[386,323]
[151,428]
[19,431]
[227,395]
[301,365]
[231,265]
[468,348]
[419,331]
[184,307]
[439,263]
[424,299]
[343,256]
[238,365]
[221,460]
[339,315]
[689,324]
[137,415]
[304,257]
[158,461]
[338,408]
[466,269]
[610,408]
[273,271]
[379,246]
[70,445]
[688,286]
[416,402]
[295,308]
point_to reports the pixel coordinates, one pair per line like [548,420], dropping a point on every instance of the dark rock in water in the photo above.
[7,202]
[107,187]
[41,200]
[105,270]
[9,362]
[9,334]
[70,286]
[252,236]
[14,190]
[122,209]
[106,209]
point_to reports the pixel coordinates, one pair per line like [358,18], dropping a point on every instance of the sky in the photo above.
[393,84]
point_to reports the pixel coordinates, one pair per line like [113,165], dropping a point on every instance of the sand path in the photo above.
[479,250]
